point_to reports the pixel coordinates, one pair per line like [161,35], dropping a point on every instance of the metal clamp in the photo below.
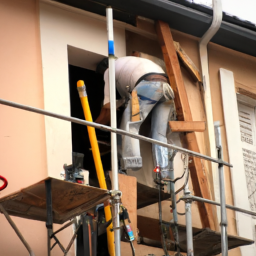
[187,198]
[115,193]
[116,201]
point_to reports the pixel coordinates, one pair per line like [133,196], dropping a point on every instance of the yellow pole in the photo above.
[97,160]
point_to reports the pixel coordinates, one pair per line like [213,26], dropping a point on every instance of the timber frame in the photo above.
[198,176]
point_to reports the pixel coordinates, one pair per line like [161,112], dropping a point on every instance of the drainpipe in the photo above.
[216,22]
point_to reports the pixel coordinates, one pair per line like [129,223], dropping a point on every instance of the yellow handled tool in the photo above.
[97,161]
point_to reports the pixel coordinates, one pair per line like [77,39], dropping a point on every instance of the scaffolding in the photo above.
[187,198]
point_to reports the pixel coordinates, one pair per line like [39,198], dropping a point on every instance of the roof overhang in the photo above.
[179,17]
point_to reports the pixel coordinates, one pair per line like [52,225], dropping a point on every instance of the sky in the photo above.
[244,9]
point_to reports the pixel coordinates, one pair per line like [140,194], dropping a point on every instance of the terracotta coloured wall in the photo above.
[22,135]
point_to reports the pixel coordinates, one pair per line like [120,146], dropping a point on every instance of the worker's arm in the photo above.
[104,117]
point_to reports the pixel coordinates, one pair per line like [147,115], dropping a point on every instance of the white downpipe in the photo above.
[216,22]
[112,88]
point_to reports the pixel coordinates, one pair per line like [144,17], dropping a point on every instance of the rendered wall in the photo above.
[65,31]
[61,27]
[22,134]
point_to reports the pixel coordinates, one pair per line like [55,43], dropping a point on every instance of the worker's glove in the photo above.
[168,92]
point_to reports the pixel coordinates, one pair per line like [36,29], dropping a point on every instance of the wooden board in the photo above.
[199,178]
[128,186]
[68,200]
[206,242]
[188,63]
[147,195]
[185,126]
[135,107]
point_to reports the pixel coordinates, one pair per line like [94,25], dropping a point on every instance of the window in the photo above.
[247,121]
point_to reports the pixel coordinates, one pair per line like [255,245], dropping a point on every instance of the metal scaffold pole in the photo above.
[188,213]
[223,211]
[2,209]
[114,164]
[189,227]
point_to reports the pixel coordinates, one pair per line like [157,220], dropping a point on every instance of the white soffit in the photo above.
[240,194]
[117,23]
[83,58]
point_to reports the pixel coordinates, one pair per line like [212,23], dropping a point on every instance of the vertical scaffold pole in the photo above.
[190,249]
[223,210]
[112,88]
[174,205]
[224,222]
[49,218]
[188,213]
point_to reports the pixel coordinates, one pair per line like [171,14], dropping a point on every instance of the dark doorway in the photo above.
[80,141]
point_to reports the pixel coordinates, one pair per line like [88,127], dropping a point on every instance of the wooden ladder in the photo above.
[198,176]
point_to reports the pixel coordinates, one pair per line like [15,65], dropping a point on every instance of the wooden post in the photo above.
[199,178]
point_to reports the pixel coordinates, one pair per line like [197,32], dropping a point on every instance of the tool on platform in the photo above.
[74,172]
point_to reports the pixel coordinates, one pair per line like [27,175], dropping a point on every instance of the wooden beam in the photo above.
[186,126]
[135,107]
[199,178]
[185,60]
[188,63]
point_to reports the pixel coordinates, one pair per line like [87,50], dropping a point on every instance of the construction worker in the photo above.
[154,94]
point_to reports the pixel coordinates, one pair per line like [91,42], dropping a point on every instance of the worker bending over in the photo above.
[154,94]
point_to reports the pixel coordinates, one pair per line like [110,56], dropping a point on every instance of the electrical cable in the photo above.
[186,182]
[174,180]
[126,232]
[133,250]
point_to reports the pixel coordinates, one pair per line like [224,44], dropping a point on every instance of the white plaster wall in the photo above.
[60,27]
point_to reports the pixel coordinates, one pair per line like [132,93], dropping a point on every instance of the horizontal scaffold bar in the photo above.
[231,207]
[110,129]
